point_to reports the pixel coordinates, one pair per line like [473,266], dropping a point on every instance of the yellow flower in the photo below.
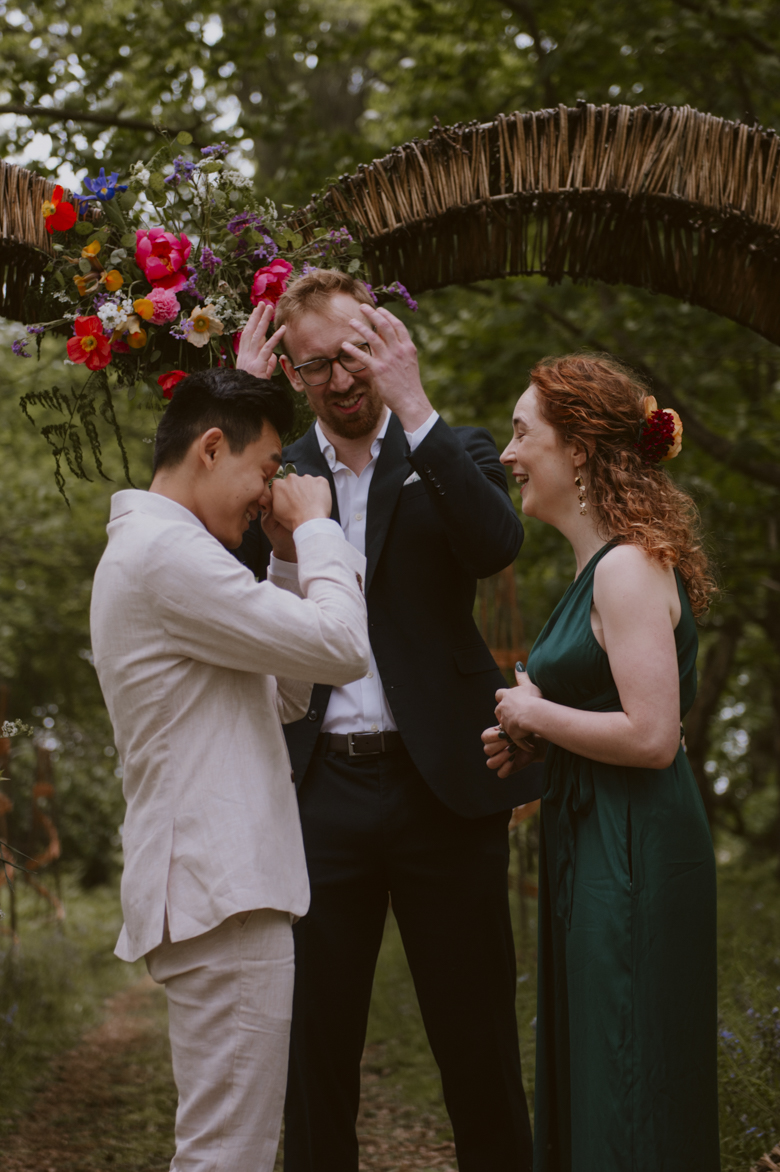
[144,308]
[91,250]
[137,339]
[81,285]
[678,432]
[204,323]
[112,280]
[651,405]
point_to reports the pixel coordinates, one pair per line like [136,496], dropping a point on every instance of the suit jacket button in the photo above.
[313,714]
[441,491]
[426,467]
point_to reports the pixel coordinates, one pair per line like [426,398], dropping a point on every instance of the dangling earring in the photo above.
[581,495]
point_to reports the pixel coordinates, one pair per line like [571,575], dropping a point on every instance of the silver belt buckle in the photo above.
[352,751]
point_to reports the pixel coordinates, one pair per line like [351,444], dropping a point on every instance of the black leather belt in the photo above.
[362,744]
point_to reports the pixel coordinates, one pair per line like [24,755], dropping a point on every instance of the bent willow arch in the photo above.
[669,199]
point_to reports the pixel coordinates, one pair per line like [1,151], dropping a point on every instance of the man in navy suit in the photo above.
[395,799]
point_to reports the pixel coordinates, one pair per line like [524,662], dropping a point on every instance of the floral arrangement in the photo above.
[660,433]
[156,277]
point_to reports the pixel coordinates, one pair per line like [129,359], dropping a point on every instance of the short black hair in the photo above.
[233,400]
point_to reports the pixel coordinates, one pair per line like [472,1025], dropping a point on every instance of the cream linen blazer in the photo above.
[199,666]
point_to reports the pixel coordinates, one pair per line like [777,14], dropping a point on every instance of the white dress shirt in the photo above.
[200,665]
[360,706]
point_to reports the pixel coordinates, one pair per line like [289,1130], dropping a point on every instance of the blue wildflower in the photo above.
[103,188]
[19,348]
[36,330]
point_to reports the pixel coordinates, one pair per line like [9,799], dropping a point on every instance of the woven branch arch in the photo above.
[25,245]
[668,199]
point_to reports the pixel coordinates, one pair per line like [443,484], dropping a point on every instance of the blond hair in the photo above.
[313,291]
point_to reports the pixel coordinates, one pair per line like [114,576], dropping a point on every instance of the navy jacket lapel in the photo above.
[392,469]
[305,454]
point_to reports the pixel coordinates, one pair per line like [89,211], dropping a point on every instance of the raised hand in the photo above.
[280,537]
[300,498]
[255,351]
[391,367]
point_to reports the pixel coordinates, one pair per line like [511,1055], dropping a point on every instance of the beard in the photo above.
[364,420]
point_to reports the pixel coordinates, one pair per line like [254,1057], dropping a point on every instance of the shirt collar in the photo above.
[329,452]
[136,500]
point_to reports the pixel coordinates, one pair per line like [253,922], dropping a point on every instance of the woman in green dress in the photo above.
[626,1025]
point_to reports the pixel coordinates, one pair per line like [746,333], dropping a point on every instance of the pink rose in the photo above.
[166,305]
[163,258]
[270,282]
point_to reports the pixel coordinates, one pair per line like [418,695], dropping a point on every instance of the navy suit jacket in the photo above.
[427,543]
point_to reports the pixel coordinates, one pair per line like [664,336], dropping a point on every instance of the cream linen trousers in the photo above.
[229,1009]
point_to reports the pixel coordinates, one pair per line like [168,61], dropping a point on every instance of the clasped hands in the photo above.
[286,504]
[514,712]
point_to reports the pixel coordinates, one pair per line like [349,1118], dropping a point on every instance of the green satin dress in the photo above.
[626,1077]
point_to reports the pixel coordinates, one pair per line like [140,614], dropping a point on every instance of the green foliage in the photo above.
[49,557]
[64,438]
[52,987]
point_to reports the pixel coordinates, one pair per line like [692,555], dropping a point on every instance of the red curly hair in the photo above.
[597,401]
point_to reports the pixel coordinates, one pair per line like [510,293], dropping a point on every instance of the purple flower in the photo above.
[19,348]
[403,293]
[36,330]
[244,220]
[267,250]
[180,331]
[191,286]
[182,170]
[209,260]
[335,239]
[101,299]
[370,288]
[211,152]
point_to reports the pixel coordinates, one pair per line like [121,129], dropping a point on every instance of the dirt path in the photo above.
[109,1104]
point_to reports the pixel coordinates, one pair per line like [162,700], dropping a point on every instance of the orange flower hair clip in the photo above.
[660,433]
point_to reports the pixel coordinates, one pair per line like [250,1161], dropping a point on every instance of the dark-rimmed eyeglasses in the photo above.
[320,370]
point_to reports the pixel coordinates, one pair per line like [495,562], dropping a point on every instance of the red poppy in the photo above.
[89,344]
[169,380]
[60,215]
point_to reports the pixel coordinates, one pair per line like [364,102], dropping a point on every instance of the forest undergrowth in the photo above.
[85,1068]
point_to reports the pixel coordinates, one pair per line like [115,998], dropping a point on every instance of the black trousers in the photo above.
[371,827]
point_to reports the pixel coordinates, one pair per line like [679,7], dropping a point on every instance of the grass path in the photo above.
[109,1103]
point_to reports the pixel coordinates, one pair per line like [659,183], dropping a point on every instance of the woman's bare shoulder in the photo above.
[628,567]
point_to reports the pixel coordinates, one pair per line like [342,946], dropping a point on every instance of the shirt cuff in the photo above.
[415,438]
[280,569]
[317,525]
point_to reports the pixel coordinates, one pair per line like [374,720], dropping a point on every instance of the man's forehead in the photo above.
[319,329]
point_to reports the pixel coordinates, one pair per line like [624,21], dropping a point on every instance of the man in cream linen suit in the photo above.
[200,665]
